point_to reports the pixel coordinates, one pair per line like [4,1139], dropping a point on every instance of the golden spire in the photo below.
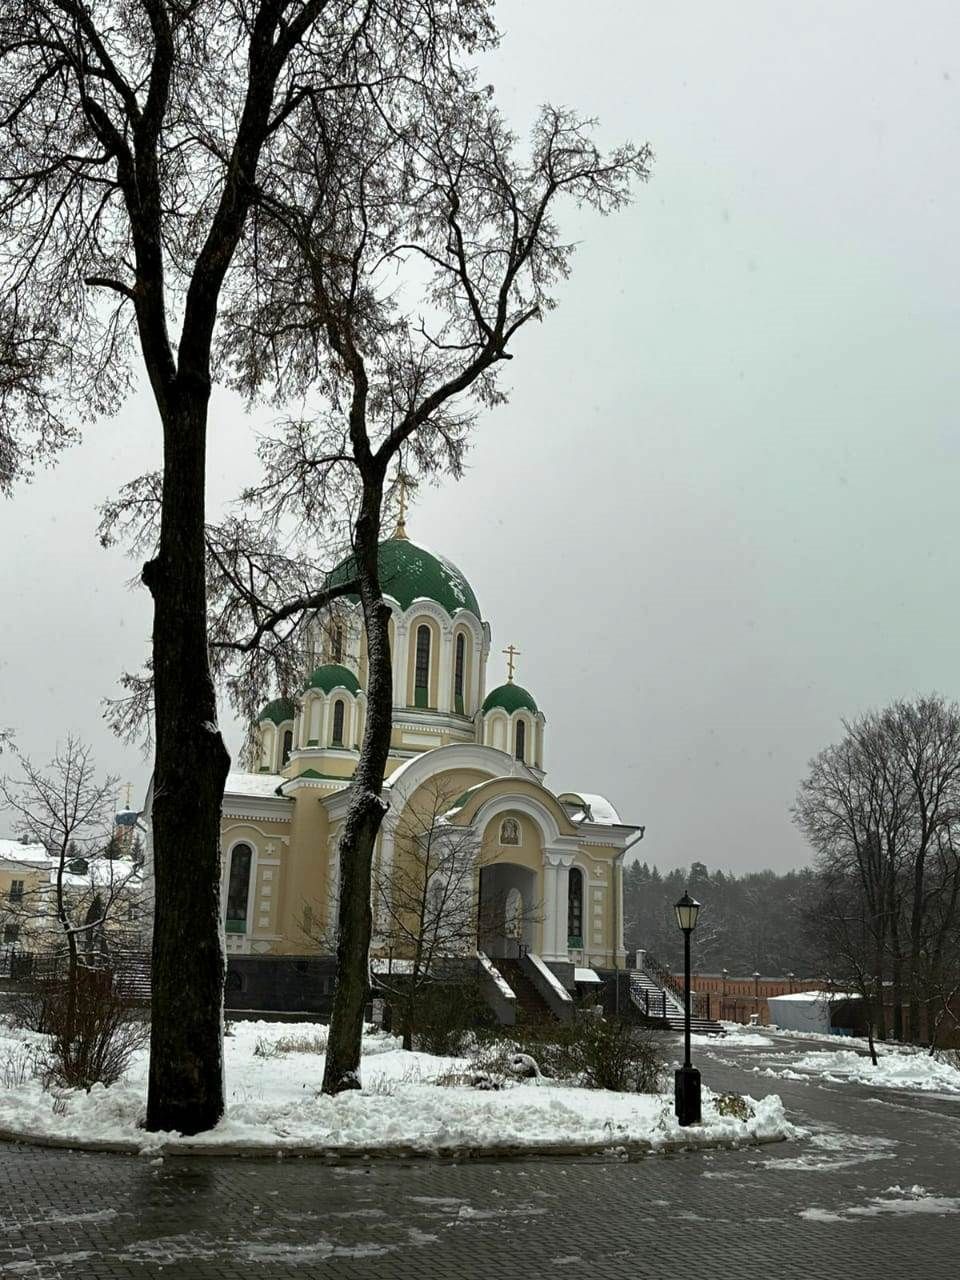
[401,530]
[129,795]
[512,652]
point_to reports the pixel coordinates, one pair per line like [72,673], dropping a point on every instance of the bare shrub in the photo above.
[18,1064]
[599,1053]
[733,1104]
[265,1048]
[447,1017]
[303,1043]
[27,1008]
[94,1030]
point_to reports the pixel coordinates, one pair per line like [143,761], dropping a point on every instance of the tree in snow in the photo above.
[881,810]
[84,895]
[426,902]
[400,249]
[136,139]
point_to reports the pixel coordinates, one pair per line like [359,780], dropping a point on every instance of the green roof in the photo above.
[333,676]
[409,572]
[279,710]
[511,697]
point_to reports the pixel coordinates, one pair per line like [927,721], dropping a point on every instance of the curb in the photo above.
[444,1151]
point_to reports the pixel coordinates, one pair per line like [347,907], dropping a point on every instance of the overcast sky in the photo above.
[723,496]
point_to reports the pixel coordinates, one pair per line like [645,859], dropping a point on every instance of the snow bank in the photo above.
[273,1105]
[895,1070]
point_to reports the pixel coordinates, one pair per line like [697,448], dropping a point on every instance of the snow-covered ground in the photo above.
[899,1066]
[273,1104]
[896,1069]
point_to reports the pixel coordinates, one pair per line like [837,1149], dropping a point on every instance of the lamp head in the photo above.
[687,910]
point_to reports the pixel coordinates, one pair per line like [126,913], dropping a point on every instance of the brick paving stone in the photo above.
[729,1214]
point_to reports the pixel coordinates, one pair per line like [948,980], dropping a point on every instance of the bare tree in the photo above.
[402,248]
[843,930]
[428,906]
[447,249]
[69,811]
[883,808]
[135,138]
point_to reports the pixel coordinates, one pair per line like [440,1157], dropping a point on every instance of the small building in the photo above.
[821,1012]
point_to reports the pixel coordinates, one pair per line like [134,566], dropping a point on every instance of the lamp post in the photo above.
[687,1077]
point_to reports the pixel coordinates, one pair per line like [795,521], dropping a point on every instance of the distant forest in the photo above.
[749,923]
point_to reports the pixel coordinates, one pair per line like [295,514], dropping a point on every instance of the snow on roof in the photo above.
[383,964]
[102,873]
[253,784]
[14,851]
[817,997]
[586,975]
[598,809]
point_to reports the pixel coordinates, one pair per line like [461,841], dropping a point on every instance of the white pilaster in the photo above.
[387,851]
[400,655]
[555,872]
[445,671]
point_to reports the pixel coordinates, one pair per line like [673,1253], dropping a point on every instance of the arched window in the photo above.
[238,888]
[458,665]
[336,648]
[421,671]
[509,831]
[338,723]
[287,746]
[521,740]
[575,908]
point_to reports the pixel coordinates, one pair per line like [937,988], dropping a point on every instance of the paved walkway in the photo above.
[813,1209]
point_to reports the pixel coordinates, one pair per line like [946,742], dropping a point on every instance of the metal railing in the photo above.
[651,1005]
[660,973]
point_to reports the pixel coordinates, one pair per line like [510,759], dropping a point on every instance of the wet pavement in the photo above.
[844,1202]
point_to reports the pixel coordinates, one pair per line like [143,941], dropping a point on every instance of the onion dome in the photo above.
[409,572]
[333,676]
[510,697]
[278,711]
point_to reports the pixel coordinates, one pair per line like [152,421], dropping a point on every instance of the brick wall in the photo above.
[737,998]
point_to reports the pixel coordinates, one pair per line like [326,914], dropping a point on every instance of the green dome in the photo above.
[409,572]
[511,697]
[279,710]
[333,676]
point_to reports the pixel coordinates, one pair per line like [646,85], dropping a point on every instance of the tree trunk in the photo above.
[186,1090]
[364,816]
[870,1042]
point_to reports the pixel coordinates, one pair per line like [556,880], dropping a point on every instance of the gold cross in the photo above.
[512,652]
[401,529]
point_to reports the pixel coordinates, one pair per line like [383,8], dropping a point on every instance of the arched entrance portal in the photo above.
[508,910]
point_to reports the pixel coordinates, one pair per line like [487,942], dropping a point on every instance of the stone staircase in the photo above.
[531,1006]
[660,1003]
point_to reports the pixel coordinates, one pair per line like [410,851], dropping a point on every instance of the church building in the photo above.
[543,871]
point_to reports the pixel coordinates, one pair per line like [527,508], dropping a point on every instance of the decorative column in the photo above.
[620,955]
[381,916]
[399,663]
[445,673]
[548,924]
[555,870]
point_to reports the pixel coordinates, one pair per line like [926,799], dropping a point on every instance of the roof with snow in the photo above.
[32,854]
[333,676]
[253,784]
[584,807]
[816,997]
[280,710]
[409,572]
[511,697]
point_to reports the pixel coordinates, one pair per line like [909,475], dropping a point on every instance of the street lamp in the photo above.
[687,1077]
